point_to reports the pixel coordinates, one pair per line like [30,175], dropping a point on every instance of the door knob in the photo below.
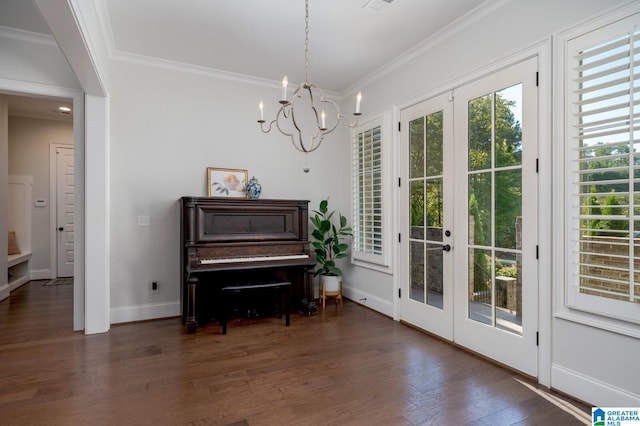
[61,229]
[446,247]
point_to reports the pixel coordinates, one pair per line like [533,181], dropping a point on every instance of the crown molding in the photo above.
[28,36]
[477,13]
[189,68]
[105,25]
[204,71]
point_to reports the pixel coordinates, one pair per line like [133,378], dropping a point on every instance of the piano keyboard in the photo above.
[253,259]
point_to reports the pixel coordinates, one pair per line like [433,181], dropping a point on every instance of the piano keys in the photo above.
[226,241]
[252,259]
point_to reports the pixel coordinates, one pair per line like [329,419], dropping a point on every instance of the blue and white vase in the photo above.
[254,189]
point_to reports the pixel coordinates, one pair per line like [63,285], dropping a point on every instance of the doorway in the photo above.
[470,212]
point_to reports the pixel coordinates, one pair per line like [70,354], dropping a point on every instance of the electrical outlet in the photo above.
[144,221]
[154,287]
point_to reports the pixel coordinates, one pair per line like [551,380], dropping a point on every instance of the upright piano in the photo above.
[227,241]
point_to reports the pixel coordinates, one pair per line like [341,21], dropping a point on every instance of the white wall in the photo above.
[29,143]
[167,127]
[595,375]
[4,196]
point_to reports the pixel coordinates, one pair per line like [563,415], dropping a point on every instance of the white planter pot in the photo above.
[331,283]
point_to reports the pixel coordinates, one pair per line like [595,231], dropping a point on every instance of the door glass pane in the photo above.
[434,144]
[417,209]
[434,209]
[480,286]
[416,148]
[416,268]
[508,287]
[495,209]
[480,209]
[426,209]
[508,208]
[480,121]
[434,274]
[508,116]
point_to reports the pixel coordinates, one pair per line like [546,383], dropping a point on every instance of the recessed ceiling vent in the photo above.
[377,5]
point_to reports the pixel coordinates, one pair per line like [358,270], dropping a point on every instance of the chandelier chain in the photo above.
[306,42]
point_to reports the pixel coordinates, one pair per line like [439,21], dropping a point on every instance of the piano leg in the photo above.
[309,302]
[190,321]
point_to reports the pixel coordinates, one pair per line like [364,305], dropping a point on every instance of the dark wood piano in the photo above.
[227,241]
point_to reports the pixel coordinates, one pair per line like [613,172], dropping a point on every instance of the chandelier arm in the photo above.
[357,119]
[283,111]
[262,126]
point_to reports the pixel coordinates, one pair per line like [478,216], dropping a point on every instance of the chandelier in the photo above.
[296,121]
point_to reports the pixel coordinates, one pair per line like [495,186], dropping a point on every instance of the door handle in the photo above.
[61,229]
[446,247]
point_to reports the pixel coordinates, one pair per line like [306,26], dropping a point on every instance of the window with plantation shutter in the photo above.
[368,193]
[603,170]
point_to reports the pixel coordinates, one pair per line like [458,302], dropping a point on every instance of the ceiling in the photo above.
[350,40]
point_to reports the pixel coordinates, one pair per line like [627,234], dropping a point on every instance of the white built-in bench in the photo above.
[19,267]
[19,221]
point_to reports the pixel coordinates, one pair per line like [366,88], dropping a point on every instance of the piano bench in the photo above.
[280,288]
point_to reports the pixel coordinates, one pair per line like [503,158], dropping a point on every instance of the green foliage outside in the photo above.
[607,169]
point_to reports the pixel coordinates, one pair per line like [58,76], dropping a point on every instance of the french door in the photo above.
[470,208]
[428,296]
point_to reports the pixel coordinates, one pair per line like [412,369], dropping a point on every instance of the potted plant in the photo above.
[329,243]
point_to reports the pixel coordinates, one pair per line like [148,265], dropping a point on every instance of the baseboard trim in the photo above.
[145,312]
[4,291]
[591,390]
[40,274]
[18,283]
[383,306]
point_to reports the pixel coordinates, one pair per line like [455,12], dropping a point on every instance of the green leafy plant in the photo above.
[328,239]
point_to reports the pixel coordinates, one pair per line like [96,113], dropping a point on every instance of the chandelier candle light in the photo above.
[313,97]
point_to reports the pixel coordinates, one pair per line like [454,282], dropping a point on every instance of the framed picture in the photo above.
[227,182]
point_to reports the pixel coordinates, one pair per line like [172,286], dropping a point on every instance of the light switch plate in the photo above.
[144,221]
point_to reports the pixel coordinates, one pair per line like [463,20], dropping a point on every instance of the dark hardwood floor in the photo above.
[348,366]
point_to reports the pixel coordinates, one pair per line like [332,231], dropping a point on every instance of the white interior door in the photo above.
[427,294]
[65,210]
[469,270]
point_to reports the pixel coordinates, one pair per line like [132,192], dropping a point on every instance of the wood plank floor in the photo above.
[348,366]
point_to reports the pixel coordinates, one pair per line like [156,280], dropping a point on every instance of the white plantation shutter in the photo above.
[604,171]
[368,211]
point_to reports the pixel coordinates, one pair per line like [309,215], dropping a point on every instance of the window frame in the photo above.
[381,262]
[570,304]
